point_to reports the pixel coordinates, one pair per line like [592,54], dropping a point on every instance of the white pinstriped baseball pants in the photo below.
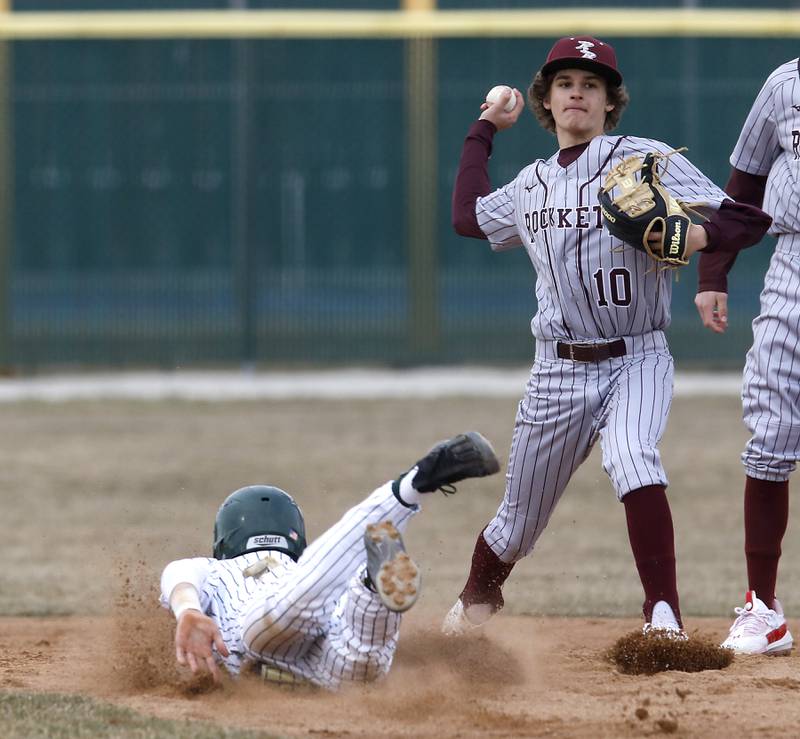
[567,405]
[321,623]
[771,382]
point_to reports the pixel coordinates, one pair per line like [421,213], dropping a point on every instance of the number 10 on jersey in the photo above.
[615,284]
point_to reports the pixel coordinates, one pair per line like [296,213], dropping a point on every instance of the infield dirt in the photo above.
[101,495]
[528,676]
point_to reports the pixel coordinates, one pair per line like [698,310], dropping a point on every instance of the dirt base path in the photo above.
[525,677]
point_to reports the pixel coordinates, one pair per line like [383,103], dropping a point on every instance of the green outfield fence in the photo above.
[226,182]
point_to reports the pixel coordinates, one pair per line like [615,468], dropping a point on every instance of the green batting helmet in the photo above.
[259,517]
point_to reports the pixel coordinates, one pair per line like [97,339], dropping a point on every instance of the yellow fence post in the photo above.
[422,188]
[6,195]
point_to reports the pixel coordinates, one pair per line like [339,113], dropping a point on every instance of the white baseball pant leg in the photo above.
[321,618]
[771,383]
[567,405]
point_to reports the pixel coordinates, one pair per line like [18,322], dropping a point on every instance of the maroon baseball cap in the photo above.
[583,52]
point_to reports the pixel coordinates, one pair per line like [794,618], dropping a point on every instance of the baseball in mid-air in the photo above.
[497,92]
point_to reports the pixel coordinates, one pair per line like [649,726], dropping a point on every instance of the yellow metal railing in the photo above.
[418,20]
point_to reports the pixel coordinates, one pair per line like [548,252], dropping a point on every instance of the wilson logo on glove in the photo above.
[676,244]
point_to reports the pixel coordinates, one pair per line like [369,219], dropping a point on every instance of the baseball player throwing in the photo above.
[325,614]
[602,365]
[766,168]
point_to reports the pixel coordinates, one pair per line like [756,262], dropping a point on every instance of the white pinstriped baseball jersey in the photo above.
[589,285]
[313,619]
[590,288]
[769,144]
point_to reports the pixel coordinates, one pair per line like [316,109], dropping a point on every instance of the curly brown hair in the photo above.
[616,96]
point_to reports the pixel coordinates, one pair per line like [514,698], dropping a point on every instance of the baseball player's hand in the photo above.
[713,309]
[495,113]
[195,636]
[696,241]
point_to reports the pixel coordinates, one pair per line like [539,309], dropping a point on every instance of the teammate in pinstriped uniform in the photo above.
[602,366]
[766,169]
[325,614]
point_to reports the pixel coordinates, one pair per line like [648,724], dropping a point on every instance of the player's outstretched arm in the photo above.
[495,112]
[196,634]
[713,309]
[712,289]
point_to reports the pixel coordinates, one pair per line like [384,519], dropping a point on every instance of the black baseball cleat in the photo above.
[464,456]
[392,574]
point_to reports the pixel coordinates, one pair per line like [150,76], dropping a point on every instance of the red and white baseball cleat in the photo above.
[758,629]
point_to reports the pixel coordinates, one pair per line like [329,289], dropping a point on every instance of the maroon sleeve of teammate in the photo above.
[472,179]
[742,223]
[746,188]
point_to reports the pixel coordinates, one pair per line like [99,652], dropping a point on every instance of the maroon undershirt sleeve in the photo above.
[472,179]
[712,271]
[746,188]
[737,224]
